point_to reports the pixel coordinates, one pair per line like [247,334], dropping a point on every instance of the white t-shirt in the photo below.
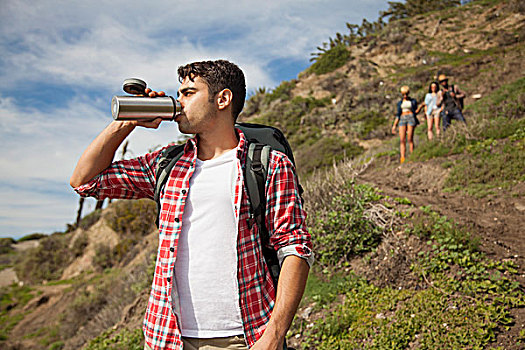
[206,265]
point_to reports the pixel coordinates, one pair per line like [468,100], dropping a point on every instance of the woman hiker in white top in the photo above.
[432,111]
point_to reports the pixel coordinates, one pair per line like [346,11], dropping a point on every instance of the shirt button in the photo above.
[168,279]
[177,220]
[183,191]
[172,249]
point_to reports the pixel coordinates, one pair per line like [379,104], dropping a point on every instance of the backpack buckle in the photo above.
[257,166]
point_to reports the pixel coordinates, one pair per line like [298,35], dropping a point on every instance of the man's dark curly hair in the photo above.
[218,75]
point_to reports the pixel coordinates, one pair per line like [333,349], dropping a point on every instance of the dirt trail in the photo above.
[498,221]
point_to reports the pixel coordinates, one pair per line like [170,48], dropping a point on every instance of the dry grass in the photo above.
[321,187]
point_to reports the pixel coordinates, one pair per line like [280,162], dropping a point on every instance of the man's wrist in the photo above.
[275,332]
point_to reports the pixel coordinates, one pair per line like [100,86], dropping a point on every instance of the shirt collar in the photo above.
[242,146]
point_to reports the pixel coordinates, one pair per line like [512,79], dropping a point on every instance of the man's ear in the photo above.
[224,98]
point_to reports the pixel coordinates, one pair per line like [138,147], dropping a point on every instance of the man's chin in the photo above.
[184,129]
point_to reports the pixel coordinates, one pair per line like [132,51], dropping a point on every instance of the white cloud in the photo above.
[94,45]
[39,152]
[80,44]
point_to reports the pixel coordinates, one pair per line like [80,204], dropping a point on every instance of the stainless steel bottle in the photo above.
[141,107]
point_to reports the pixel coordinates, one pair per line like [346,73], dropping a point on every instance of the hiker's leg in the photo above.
[402,142]
[430,124]
[446,120]
[437,119]
[410,136]
[458,115]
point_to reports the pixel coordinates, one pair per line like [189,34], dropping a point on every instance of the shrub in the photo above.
[32,236]
[6,245]
[104,256]
[132,220]
[100,302]
[342,230]
[13,296]
[133,217]
[307,104]
[85,306]
[45,262]
[90,219]
[281,92]
[57,345]
[369,122]
[79,245]
[330,60]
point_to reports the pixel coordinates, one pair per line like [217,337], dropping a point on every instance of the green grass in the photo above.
[435,149]
[505,104]
[461,58]
[467,299]
[11,298]
[343,231]
[490,165]
[491,151]
[324,152]
[14,295]
[121,339]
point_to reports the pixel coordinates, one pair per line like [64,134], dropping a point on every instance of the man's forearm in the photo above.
[459,93]
[99,154]
[292,280]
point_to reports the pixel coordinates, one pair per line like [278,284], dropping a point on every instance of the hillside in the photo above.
[425,255]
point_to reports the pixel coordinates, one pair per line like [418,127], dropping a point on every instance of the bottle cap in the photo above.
[134,86]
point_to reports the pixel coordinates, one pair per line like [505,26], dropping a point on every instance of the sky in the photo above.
[62,61]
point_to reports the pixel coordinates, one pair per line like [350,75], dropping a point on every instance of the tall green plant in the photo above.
[332,59]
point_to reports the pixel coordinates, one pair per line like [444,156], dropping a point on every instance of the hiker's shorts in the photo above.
[436,113]
[408,119]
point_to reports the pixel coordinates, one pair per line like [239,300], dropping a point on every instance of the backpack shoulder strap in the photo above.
[166,162]
[257,161]
[256,171]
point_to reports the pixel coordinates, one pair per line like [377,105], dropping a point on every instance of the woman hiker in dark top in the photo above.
[406,120]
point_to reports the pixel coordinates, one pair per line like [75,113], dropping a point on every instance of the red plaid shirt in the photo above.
[285,220]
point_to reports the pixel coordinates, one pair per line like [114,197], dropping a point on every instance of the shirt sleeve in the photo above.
[285,216]
[414,105]
[428,99]
[124,179]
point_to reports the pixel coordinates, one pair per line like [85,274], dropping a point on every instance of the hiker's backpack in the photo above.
[459,102]
[261,140]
